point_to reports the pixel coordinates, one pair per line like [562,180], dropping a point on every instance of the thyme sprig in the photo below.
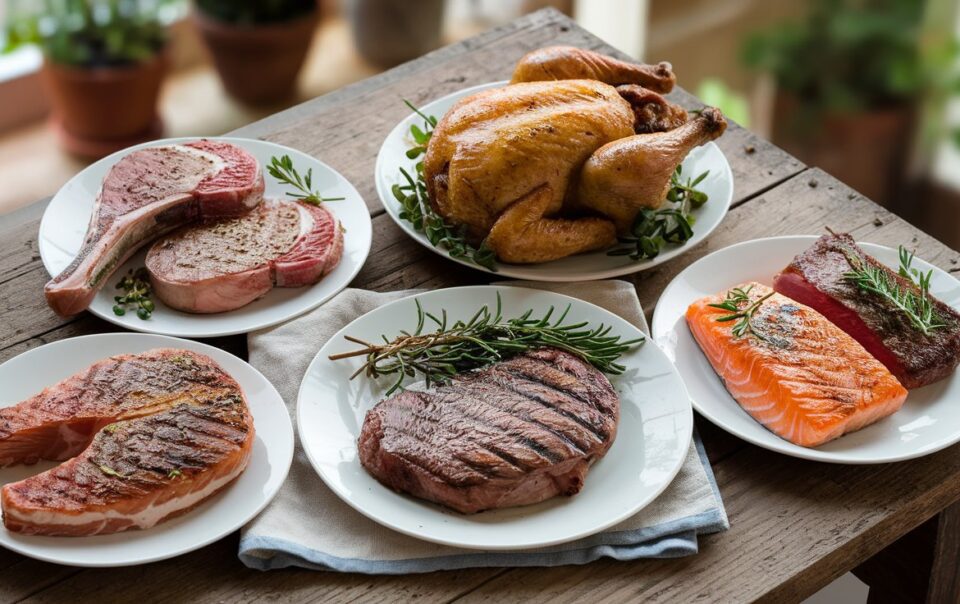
[734,302]
[137,290]
[282,169]
[415,205]
[484,339]
[915,304]
[652,229]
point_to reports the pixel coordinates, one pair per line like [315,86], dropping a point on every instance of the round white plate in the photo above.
[29,373]
[65,222]
[656,424]
[595,265]
[927,422]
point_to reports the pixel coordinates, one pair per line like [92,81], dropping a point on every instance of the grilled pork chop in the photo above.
[151,435]
[816,278]
[517,432]
[222,266]
[146,194]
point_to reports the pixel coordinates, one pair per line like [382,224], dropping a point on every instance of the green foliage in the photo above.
[87,32]
[847,55]
[256,11]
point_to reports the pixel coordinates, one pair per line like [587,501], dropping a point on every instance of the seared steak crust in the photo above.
[517,432]
[816,278]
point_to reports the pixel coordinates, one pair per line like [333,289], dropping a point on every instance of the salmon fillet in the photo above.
[150,435]
[802,378]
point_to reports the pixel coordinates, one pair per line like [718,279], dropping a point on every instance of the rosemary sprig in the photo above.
[484,339]
[734,302]
[652,229]
[136,285]
[916,305]
[416,209]
[282,169]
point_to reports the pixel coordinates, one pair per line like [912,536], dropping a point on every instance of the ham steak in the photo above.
[218,267]
[148,436]
[517,432]
[148,193]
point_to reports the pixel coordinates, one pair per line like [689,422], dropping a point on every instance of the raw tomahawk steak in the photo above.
[222,266]
[151,435]
[148,193]
[517,432]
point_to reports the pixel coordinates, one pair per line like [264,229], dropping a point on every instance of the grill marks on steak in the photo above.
[222,266]
[816,278]
[150,192]
[517,432]
[159,432]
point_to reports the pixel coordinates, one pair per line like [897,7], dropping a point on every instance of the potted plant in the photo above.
[258,46]
[848,79]
[104,63]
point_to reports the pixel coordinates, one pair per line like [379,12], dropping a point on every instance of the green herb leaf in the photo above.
[737,302]
[136,287]
[282,169]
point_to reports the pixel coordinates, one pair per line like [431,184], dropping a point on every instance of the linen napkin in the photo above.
[307,525]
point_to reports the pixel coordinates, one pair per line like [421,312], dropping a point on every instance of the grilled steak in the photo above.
[146,194]
[517,432]
[151,436]
[225,265]
[816,278]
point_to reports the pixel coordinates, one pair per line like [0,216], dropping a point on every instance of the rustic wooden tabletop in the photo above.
[795,525]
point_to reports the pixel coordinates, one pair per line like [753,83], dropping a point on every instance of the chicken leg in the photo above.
[571,63]
[631,173]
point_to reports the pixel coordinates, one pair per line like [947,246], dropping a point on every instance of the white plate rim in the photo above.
[278,474]
[530,271]
[771,441]
[400,528]
[145,326]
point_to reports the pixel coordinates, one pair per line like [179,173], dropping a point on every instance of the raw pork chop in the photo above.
[517,432]
[146,194]
[151,435]
[218,267]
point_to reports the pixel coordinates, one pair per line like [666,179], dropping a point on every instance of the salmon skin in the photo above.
[150,435]
[796,373]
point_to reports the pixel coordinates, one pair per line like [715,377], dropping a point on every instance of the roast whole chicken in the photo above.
[563,158]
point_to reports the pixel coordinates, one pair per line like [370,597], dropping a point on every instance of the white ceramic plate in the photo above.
[596,265]
[928,421]
[656,424]
[65,221]
[29,373]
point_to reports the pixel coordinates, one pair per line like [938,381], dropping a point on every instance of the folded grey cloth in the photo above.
[307,525]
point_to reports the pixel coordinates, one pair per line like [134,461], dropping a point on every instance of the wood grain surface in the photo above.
[795,525]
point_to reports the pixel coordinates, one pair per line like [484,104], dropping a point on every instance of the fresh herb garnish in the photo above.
[485,339]
[915,305]
[734,302]
[136,285]
[282,169]
[110,471]
[416,209]
[652,229]
[175,474]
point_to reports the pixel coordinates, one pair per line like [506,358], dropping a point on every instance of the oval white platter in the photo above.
[65,221]
[656,424]
[29,373]
[928,421]
[718,185]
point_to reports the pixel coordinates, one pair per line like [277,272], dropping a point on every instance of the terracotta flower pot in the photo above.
[389,32]
[258,64]
[99,110]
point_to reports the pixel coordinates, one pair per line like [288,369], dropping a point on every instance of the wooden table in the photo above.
[795,525]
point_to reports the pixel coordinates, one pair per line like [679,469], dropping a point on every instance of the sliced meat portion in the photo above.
[515,433]
[222,266]
[816,278]
[146,194]
[151,436]
[797,374]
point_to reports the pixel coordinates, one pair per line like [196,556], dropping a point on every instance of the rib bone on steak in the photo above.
[150,192]
[515,433]
[222,266]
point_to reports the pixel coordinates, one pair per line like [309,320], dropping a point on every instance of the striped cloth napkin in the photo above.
[308,526]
